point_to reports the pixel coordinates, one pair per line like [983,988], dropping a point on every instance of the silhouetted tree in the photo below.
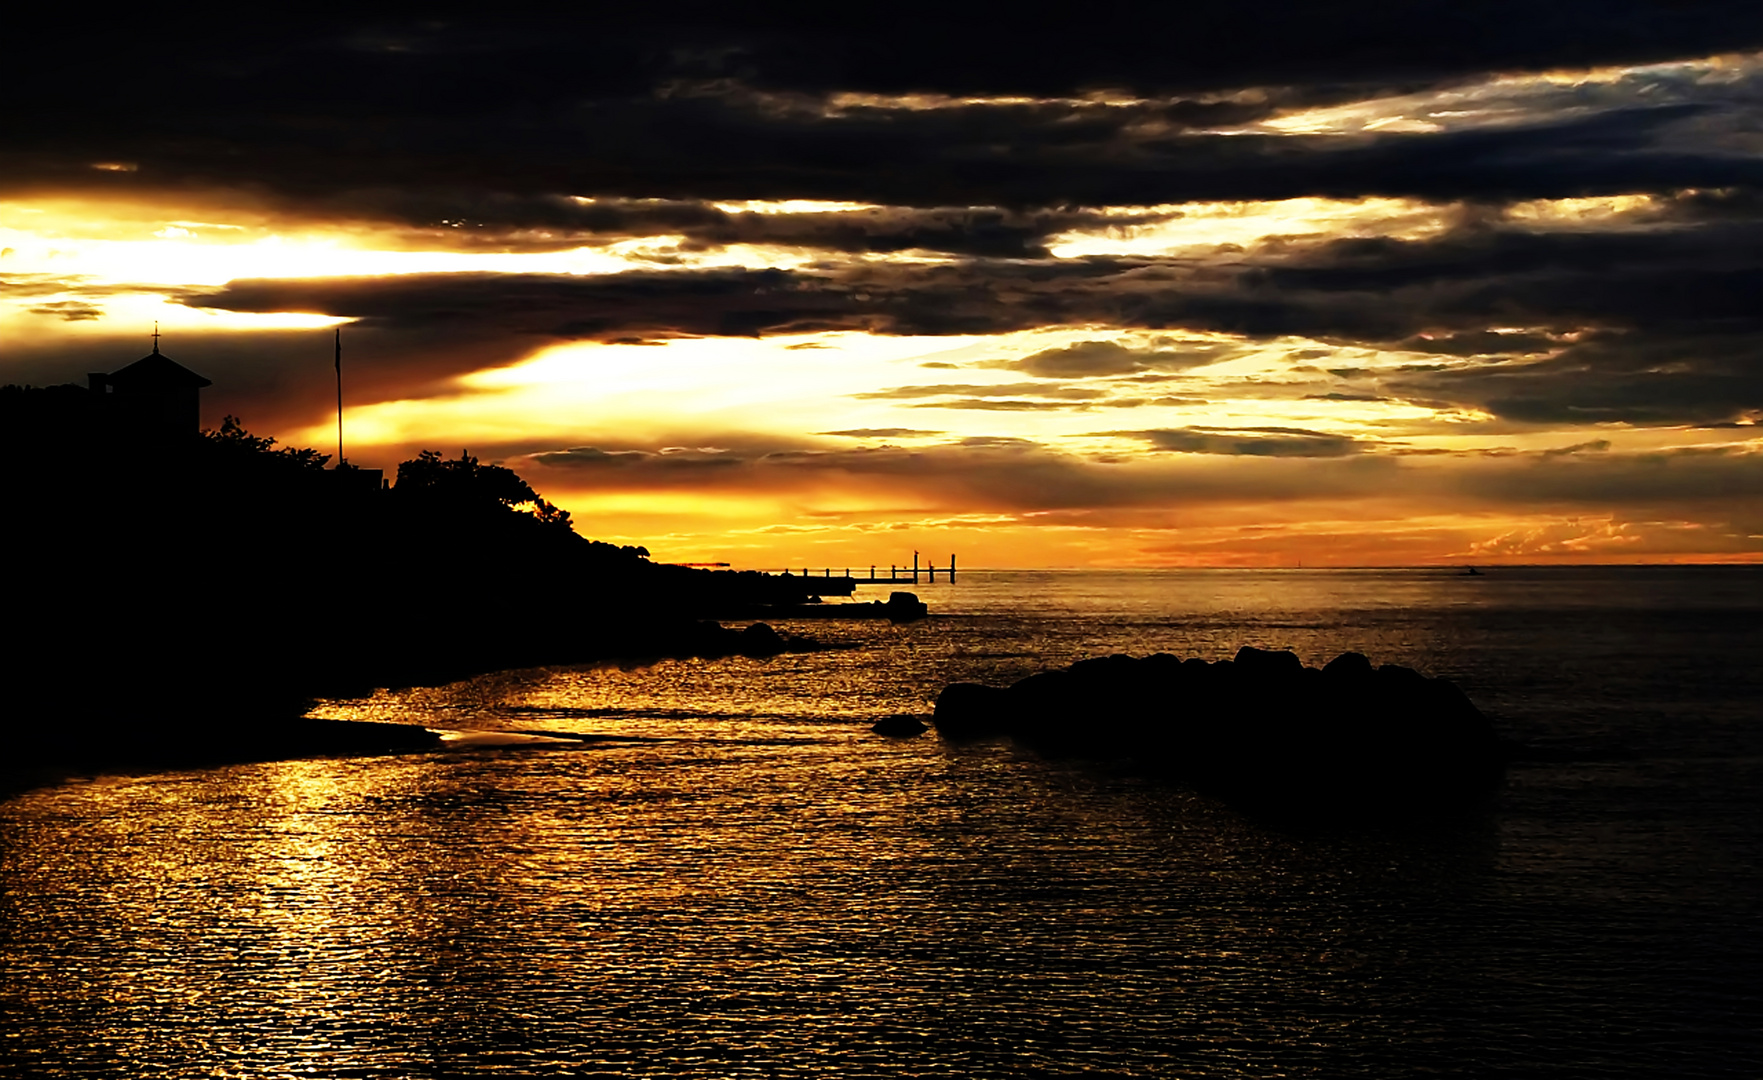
[463,483]
[233,445]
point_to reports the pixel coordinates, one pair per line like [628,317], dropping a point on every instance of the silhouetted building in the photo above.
[155,399]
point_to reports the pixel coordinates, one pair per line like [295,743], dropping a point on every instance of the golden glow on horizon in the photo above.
[1368,533]
[612,395]
[698,390]
[620,396]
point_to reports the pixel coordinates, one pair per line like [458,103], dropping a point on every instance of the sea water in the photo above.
[743,880]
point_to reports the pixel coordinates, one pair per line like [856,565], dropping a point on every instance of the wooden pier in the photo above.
[847,583]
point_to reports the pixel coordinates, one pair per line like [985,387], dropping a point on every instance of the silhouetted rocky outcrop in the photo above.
[1261,729]
[900,607]
[905,607]
[712,639]
[899,726]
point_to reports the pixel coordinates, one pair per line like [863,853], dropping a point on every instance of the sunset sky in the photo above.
[1251,285]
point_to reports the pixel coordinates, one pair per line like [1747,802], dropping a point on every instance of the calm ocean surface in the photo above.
[755,885]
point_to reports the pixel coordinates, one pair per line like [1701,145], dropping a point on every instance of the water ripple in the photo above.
[756,886]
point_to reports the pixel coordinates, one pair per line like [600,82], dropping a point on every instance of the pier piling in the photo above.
[844,585]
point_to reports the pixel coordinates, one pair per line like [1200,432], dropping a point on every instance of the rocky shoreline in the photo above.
[193,728]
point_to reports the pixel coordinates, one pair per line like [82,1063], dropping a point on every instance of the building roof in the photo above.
[156,372]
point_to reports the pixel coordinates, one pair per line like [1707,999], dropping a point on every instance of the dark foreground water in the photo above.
[765,888]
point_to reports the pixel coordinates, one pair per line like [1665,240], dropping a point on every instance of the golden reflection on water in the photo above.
[991,627]
[768,889]
[786,899]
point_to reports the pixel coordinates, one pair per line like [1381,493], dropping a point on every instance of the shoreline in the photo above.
[238,731]
[153,750]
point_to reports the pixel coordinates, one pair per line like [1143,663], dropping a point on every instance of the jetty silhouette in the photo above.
[183,588]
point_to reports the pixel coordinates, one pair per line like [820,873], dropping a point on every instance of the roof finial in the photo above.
[155,337]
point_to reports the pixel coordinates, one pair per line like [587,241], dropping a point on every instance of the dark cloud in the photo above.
[1576,265]
[882,433]
[1376,291]
[1003,405]
[1717,204]
[1652,324]
[976,296]
[1022,476]
[579,457]
[998,442]
[1725,483]
[1481,343]
[1083,359]
[548,222]
[999,390]
[483,129]
[1277,43]
[955,166]
[454,61]
[1246,442]
[668,458]
[1091,359]
[975,474]
[984,232]
[1595,446]
[69,310]
[274,380]
[1018,476]
[549,307]
[24,286]
[1635,379]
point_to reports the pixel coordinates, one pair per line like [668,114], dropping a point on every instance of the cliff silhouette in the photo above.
[173,588]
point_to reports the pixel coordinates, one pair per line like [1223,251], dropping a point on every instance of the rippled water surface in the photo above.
[748,882]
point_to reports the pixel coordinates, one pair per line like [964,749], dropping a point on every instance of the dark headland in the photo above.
[175,592]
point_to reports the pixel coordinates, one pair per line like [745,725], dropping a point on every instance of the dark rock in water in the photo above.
[899,726]
[761,640]
[1261,729]
[1348,665]
[711,640]
[1265,662]
[905,607]
[972,711]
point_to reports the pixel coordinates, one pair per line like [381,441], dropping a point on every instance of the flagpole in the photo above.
[339,397]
